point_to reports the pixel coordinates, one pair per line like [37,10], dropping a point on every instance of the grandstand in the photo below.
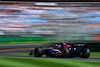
[64,21]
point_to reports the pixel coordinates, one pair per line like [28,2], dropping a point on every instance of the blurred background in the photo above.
[43,23]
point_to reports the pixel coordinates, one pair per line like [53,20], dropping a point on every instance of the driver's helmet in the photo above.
[63,43]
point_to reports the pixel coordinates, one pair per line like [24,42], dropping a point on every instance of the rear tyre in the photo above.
[65,53]
[38,52]
[85,53]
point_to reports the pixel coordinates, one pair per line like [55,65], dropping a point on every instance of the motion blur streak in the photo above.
[60,22]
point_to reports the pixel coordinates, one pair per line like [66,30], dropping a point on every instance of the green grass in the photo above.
[44,62]
[95,54]
[25,40]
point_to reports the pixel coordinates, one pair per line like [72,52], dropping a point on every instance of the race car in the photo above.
[63,50]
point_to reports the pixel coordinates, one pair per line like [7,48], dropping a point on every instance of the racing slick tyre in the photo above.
[31,53]
[85,53]
[38,52]
[65,53]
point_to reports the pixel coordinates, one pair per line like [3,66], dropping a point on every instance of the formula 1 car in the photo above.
[65,51]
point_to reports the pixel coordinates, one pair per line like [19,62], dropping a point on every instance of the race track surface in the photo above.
[23,46]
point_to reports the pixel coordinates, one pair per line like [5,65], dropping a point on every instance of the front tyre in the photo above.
[38,52]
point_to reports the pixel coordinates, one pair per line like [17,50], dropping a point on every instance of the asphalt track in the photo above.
[23,46]
[7,51]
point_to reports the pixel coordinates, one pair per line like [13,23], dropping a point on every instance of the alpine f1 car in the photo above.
[63,50]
